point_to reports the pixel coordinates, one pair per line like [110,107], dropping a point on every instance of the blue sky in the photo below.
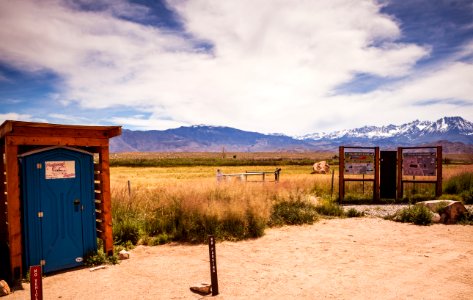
[272,66]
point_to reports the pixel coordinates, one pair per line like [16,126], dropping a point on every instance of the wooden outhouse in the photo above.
[55,194]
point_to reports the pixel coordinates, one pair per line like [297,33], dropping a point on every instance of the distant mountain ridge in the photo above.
[202,138]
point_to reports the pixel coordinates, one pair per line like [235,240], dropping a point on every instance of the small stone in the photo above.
[4,288]
[201,289]
[123,254]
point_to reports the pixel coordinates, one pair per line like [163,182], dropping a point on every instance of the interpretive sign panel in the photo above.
[419,163]
[359,163]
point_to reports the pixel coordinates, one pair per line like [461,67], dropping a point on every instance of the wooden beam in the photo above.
[438,184]
[341,174]
[399,187]
[59,132]
[376,191]
[13,127]
[13,210]
[55,141]
[106,200]
[3,199]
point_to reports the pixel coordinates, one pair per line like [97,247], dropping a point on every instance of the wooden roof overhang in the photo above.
[17,137]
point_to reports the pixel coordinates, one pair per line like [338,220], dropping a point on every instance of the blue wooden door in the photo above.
[59,208]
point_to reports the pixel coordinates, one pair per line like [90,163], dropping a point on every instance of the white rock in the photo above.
[123,254]
[321,167]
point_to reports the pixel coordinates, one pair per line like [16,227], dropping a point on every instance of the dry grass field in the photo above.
[335,258]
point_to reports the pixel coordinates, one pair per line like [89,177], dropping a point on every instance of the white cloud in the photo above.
[273,66]
[16,117]
[142,123]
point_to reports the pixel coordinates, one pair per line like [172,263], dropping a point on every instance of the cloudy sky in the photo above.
[272,66]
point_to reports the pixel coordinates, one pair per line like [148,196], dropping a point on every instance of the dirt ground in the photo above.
[359,258]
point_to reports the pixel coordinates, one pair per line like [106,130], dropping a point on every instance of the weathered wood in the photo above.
[32,129]
[3,207]
[98,196]
[399,187]
[106,199]
[341,173]
[438,186]
[13,210]
[59,132]
[55,141]
[376,191]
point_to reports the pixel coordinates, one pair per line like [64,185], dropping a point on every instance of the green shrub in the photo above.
[97,258]
[293,213]
[462,185]
[417,214]
[256,225]
[466,218]
[126,230]
[329,208]
[353,213]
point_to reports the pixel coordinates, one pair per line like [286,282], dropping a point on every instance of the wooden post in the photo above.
[438,185]
[107,201]
[3,207]
[213,265]
[399,188]
[13,210]
[376,192]
[341,173]
[331,189]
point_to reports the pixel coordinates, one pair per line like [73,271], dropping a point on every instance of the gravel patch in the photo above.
[384,210]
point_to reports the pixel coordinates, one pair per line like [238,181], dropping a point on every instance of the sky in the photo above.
[293,67]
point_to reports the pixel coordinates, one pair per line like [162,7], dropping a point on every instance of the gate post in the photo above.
[438,185]
[341,174]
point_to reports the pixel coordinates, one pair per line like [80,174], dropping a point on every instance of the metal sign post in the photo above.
[36,283]
[213,265]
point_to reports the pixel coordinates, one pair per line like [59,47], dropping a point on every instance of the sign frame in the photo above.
[400,173]
[359,160]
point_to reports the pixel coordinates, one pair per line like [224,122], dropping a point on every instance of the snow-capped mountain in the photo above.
[214,138]
[455,129]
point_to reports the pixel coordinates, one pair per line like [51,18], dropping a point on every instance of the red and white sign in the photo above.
[60,169]
[36,283]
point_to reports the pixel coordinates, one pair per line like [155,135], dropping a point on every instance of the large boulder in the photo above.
[449,210]
[321,167]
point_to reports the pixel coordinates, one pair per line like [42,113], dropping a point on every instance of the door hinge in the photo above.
[43,262]
[40,214]
[39,165]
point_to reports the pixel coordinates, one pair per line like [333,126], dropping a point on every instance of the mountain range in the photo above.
[454,133]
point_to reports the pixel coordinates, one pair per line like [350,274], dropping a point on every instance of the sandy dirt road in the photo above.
[360,258]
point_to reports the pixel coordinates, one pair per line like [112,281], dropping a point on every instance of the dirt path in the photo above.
[362,258]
